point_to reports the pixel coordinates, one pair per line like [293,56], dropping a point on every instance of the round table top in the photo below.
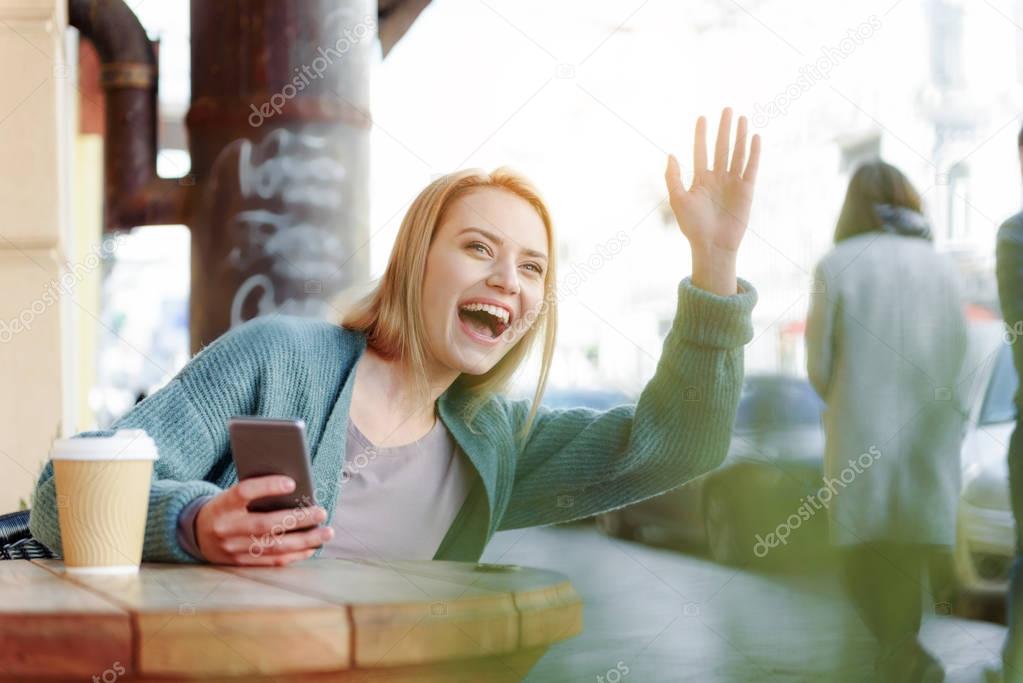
[320,615]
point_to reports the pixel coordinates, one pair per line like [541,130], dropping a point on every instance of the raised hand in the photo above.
[714,211]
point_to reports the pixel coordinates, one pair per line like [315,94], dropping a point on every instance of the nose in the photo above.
[505,277]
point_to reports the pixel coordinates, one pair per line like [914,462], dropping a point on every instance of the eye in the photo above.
[536,268]
[474,245]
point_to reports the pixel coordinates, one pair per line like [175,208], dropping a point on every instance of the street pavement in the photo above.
[656,615]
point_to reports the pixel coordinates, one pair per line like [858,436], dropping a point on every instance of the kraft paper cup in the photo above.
[102,499]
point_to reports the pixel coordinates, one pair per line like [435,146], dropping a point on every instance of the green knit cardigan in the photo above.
[574,463]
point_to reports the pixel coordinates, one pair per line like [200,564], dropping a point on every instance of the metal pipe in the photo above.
[278,134]
[278,130]
[133,193]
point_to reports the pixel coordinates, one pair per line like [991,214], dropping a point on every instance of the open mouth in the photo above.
[484,319]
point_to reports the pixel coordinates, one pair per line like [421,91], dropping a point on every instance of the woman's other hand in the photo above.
[227,533]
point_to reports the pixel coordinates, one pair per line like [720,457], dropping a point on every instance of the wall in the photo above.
[34,403]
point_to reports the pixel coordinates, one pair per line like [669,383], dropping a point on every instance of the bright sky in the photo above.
[588,98]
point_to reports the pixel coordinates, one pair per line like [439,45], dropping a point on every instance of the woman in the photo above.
[885,340]
[470,286]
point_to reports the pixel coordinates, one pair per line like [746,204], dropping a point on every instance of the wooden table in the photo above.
[319,620]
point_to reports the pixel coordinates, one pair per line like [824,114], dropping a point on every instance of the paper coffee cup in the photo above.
[102,499]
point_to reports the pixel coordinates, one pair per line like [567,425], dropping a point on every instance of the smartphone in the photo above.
[262,446]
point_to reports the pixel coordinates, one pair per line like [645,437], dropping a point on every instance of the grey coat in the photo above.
[885,342]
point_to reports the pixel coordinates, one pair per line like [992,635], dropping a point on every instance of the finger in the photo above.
[250,489]
[277,543]
[255,546]
[278,521]
[271,560]
[292,518]
[273,544]
[739,154]
[281,544]
[700,146]
[673,175]
[721,147]
[750,174]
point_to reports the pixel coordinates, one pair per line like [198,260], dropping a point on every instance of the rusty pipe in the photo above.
[133,193]
[278,136]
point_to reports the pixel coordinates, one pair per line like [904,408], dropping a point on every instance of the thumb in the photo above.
[673,174]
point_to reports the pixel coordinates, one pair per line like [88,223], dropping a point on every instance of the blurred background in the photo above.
[588,99]
[295,209]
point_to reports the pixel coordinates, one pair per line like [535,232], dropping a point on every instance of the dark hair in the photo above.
[1019,138]
[873,183]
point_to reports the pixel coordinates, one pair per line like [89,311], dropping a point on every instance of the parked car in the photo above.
[774,460]
[986,535]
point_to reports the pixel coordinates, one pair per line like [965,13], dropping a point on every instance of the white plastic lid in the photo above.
[124,444]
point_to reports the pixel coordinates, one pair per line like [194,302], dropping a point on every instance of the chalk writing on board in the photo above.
[290,185]
[260,288]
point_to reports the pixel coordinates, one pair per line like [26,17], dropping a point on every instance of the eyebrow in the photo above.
[500,242]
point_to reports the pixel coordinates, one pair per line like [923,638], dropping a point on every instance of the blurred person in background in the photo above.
[1009,265]
[885,339]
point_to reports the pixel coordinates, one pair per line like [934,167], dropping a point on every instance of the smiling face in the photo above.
[485,271]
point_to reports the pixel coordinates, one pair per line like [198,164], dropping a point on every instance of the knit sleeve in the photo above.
[186,527]
[186,456]
[187,419]
[577,462]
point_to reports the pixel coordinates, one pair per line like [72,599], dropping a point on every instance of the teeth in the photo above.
[495,311]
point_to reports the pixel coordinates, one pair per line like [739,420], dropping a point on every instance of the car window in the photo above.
[777,403]
[998,401]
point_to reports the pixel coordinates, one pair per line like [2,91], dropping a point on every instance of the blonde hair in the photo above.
[391,314]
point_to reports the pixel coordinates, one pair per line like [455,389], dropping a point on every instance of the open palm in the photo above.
[714,211]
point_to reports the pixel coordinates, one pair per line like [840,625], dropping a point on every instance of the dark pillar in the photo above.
[279,140]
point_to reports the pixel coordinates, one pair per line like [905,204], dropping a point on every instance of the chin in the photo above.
[479,365]
[481,368]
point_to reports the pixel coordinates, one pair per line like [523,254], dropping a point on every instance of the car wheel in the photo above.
[724,528]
